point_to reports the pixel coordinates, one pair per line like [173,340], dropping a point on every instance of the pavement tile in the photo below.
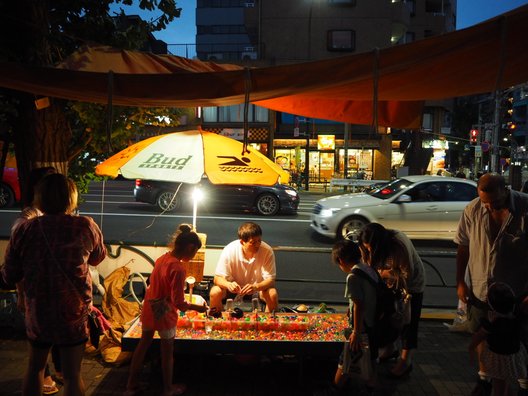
[441,367]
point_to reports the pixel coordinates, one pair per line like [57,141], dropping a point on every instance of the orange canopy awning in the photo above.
[489,56]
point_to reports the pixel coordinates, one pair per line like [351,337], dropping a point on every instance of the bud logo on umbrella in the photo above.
[159,161]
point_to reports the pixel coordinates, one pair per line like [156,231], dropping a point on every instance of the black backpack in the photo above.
[389,318]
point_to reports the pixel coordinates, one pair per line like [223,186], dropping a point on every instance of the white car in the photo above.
[423,207]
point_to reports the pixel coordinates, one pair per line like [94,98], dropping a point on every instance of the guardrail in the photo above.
[439,283]
[141,258]
[353,183]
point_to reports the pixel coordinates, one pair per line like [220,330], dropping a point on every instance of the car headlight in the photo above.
[293,193]
[328,212]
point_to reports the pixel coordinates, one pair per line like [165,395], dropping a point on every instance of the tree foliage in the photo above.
[73,134]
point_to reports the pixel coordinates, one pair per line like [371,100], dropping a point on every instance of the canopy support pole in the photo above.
[375,81]
[247,90]
[110,112]
[494,158]
[109,125]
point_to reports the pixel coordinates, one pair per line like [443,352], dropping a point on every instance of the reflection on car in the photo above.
[423,207]
[264,200]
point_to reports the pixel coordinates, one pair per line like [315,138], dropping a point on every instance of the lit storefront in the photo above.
[438,160]
[326,158]
[360,163]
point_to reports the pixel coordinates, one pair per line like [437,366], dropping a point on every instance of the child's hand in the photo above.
[354,341]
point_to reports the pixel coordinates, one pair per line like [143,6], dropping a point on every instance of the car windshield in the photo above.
[390,189]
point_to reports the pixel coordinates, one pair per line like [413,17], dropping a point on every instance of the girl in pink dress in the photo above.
[163,299]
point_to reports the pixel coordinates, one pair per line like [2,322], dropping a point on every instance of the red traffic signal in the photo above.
[473,136]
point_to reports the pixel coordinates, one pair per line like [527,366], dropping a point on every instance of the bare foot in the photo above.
[177,389]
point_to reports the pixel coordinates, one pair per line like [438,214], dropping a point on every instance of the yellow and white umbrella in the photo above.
[187,156]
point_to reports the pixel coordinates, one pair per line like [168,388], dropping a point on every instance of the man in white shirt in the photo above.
[492,240]
[246,266]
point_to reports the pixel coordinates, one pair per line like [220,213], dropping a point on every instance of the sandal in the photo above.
[58,377]
[50,389]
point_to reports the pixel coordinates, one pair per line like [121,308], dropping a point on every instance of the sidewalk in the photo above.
[441,367]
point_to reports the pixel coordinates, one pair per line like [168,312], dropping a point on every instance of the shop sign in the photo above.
[234,133]
[326,142]
[436,144]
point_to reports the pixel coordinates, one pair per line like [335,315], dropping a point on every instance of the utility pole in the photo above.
[345,161]
[494,158]
[307,157]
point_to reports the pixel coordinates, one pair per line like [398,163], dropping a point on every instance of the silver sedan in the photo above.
[423,207]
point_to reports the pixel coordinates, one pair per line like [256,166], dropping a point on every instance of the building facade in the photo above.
[275,32]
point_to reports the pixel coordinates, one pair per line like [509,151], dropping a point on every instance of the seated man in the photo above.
[246,266]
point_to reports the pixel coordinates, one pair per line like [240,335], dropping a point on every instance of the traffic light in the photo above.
[507,107]
[507,111]
[473,136]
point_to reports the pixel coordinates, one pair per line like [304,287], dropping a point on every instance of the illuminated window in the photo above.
[341,40]
[234,113]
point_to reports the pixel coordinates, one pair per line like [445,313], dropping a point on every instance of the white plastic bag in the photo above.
[358,362]
[460,322]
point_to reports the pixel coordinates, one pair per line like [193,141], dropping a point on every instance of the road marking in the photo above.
[108,195]
[190,216]
[301,205]
[115,202]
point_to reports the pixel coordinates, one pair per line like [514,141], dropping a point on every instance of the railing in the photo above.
[440,282]
[234,52]
[140,258]
[354,184]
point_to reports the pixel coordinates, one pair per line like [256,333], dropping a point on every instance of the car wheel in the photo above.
[7,197]
[267,204]
[166,202]
[350,228]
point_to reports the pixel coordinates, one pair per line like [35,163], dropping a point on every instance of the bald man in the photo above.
[492,240]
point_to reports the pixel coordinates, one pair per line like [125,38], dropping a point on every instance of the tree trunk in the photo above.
[41,137]
[52,138]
